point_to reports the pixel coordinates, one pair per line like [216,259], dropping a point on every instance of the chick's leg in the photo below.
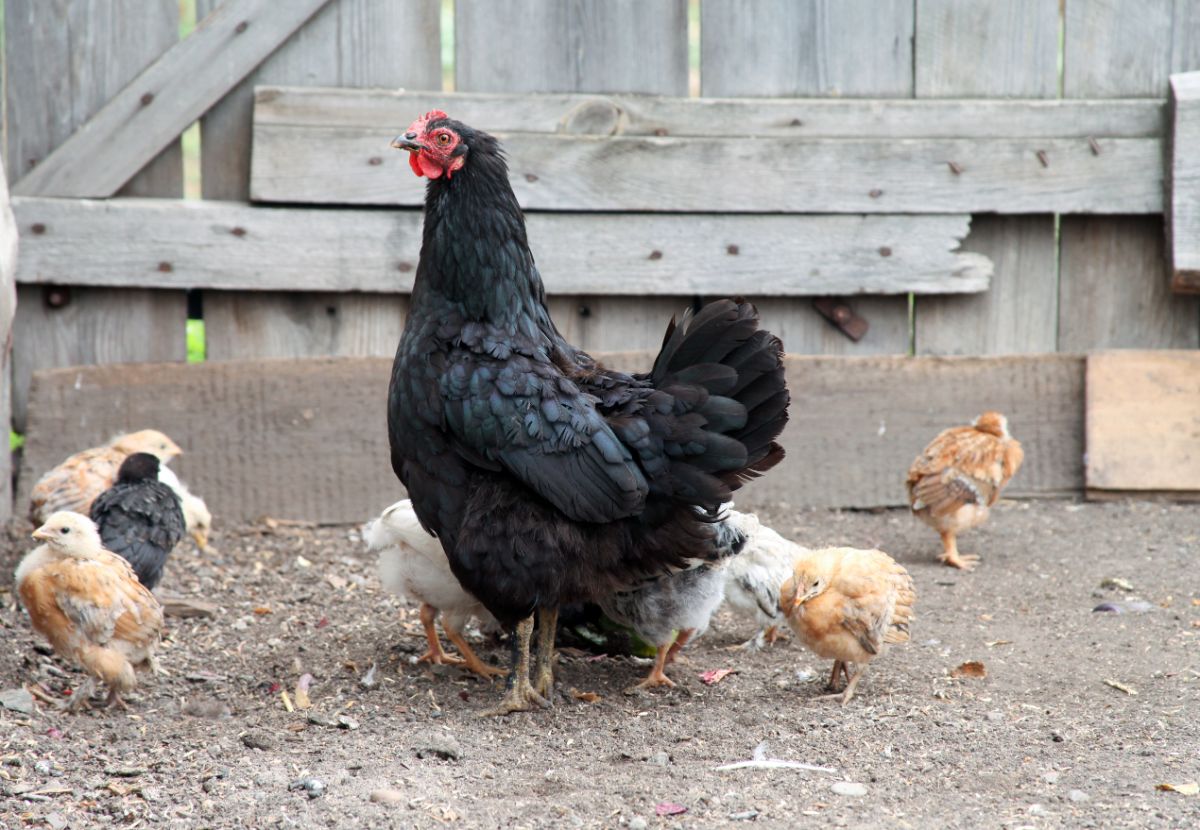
[849,693]
[547,628]
[519,695]
[950,555]
[681,640]
[80,698]
[434,653]
[471,660]
[657,676]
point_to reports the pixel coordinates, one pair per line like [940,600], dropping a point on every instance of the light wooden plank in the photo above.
[807,47]
[65,62]
[149,113]
[1183,204]
[1114,281]
[971,49]
[350,43]
[987,49]
[1143,419]
[1018,313]
[231,246]
[856,425]
[621,46]
[547,46]
[823,48]
[1114,292]
[633,115]
[339,166]
[8,307]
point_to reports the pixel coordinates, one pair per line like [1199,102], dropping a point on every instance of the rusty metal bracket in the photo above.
[837,311]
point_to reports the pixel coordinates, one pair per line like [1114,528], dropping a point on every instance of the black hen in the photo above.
[547,478]
[140,518]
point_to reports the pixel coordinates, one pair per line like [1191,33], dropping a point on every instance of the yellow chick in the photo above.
[74,484]
[89,604]
[848,605]
[959,476]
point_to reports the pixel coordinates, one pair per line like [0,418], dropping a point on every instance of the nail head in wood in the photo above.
[838,312]
[147,99]
[238,231]
[732,250]
[655,255]
[885,251]
[37,228]
[1042,158]
[955,167]
[1094,144]
[375,161]
[56,296]
[875,193]
[241,27]
[166,267]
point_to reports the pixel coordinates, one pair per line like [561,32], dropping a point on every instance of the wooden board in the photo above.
[229,245]
[1143,421]
[621,46]
[807,47]
[1113,280]
[349,43]
[829,48]
[646,115]
[56,79]
[1183,205]
[305,439]
[993,49]
[333,165]
[8,306]
[123,135]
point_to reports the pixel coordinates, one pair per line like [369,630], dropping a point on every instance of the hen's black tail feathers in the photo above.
[726,376]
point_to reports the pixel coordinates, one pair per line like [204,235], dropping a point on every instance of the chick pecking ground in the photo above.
[1080,716]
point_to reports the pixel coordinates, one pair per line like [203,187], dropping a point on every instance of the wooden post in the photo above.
[1183,183]
[8,305]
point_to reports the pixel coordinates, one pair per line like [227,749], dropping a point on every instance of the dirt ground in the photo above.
[1044,740]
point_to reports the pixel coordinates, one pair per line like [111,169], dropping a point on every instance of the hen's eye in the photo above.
[443,138]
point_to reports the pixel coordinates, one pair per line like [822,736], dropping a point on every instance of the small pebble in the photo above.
[848,788]
[995,717]
[1078,796]
[56,821]
[660,759]
[638,823]
[17,700]
[42,767]
[258,739]
[313,787]
[745,815]
[435,745]
[1037,810]
[387,796]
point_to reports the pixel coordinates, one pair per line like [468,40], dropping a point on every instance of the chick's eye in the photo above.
[64,530]
[443,138]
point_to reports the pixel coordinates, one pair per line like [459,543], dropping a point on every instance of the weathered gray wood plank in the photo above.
[632,115]
[622,46]
[993,49]
[1114,285]
[986,49]
[148,114]
[551,46]
[555,172]
[65,61]
[821,48]
[349,43]
[231,246]
[1017,314]
[8,306]
[305,454]
[807,47]
[1183,204]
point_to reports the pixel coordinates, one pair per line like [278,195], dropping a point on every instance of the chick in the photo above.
[959,476]
[753,578]
[90,605]
[847,605]
[195,512]
[681,602]
[139,518]
[413,564]
[76,482]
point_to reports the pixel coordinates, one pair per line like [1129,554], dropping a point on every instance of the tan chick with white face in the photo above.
[89,605]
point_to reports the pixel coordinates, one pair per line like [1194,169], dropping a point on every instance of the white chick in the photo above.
[753,578]
[412,564]
[195,511]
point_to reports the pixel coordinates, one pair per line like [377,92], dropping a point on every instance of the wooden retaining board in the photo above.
[305,439]
[1183,204]
[1143,421]
[158,243]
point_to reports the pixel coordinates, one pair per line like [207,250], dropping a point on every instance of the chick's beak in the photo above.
[408,141]
[201,539]
[43,534]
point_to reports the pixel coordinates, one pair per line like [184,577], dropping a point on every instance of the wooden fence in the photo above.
[970,179]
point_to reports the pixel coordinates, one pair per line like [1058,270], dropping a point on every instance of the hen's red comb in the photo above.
[418,126]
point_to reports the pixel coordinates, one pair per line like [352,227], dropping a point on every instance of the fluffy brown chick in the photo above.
[89,604]
[959,476]
[848,605]
[76,482]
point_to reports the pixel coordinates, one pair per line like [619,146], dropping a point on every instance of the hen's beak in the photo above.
[407,142]
[43,534]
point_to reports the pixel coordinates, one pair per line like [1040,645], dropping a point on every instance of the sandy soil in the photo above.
[1042,741]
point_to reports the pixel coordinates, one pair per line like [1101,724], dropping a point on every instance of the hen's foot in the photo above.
[520,697]
[547,628]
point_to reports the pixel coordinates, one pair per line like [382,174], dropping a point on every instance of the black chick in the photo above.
[140,518]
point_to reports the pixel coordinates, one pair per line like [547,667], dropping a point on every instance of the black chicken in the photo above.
[140,518]
[548,478]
